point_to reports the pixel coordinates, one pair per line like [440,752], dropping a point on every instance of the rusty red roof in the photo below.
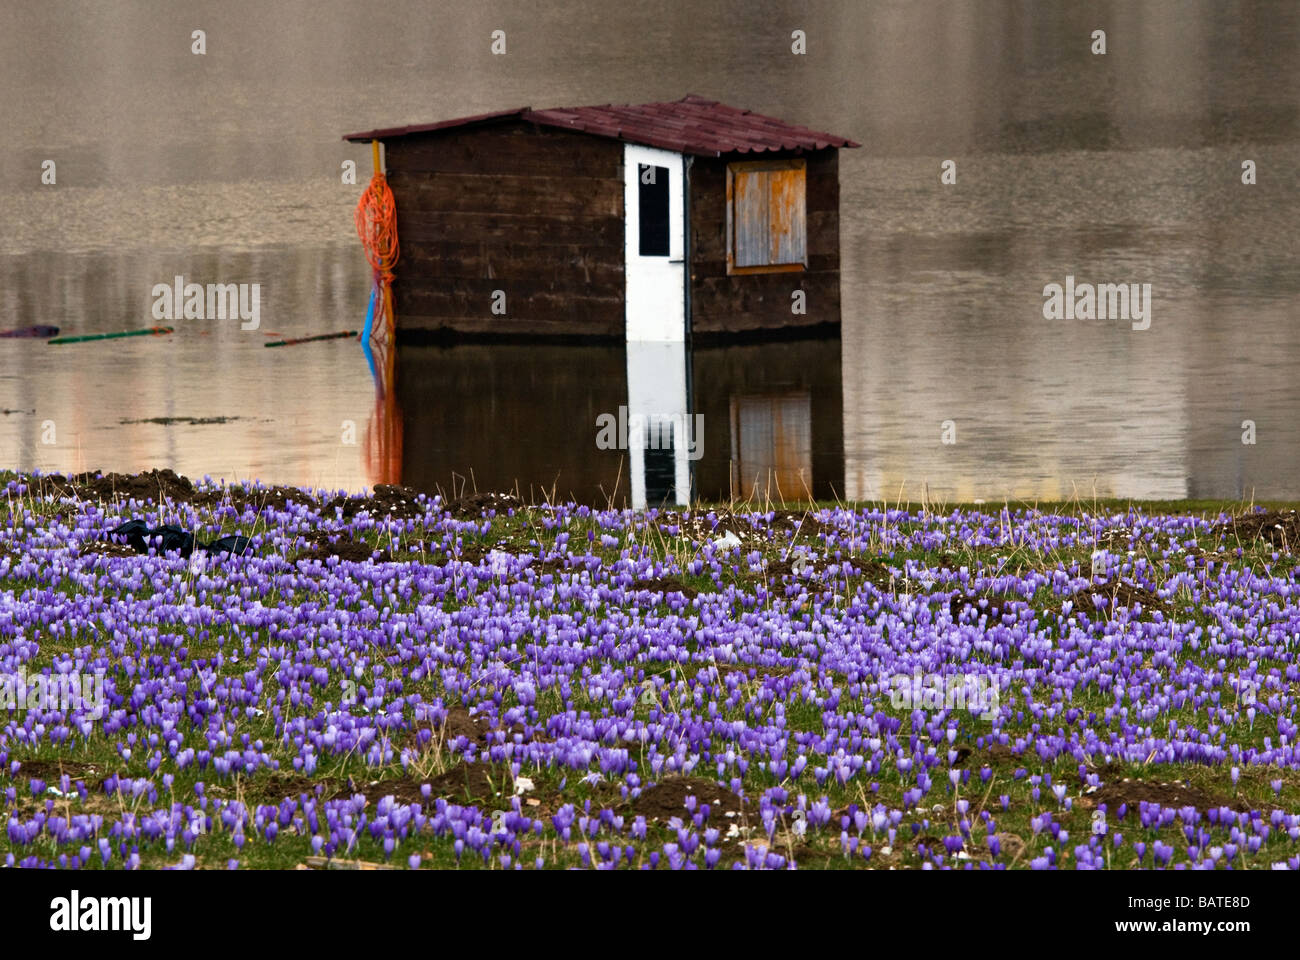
[691,125]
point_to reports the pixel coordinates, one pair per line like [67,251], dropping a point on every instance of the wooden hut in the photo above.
[578,223]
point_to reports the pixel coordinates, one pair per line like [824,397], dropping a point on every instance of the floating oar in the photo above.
[146,332]
[40,331]
[319,336]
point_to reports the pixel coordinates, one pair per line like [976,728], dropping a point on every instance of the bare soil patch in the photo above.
[1129,595]
[668,585]
[152,485]
[1281,528]
[476,728]
[475,505]
[266,498]
[277,788]
[160,485]
[761,671]
[345,548]
[993,755]
[463,783]
[668,799]
[804,523]
[385,501]
[105,548]
[52,770]
[1134,792]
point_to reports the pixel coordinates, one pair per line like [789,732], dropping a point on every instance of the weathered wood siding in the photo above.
[724,303]
[531,211]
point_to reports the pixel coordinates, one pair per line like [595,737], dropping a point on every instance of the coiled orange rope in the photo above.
[376,220]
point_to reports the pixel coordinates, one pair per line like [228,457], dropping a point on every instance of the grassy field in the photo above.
[400,682]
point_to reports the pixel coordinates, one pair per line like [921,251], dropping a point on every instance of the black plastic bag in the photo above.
[170,537]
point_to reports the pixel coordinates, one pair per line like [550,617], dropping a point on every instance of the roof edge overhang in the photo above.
[391,133]
[546,118]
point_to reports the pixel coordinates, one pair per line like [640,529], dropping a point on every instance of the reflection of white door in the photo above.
[661,436]
[654,244]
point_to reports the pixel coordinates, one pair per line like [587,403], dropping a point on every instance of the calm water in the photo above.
[1116,169]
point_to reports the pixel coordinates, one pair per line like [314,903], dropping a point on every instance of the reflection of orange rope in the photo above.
[376,220]
[383,438]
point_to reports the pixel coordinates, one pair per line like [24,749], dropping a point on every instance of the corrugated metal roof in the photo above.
[691,125]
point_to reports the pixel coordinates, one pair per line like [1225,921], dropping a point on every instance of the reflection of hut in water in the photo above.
[510,417]
[761,421]
[579,222]
[773,418]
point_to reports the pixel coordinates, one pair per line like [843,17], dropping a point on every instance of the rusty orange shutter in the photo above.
[786,216]
[752,218]
[767,215]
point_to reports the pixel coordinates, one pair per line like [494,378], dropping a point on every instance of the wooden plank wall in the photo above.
[531,211]
[722,303]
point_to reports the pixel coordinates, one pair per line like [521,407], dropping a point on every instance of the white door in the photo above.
[655,241]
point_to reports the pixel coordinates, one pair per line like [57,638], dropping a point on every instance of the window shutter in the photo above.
[786,216]
[753,200]
[768,222]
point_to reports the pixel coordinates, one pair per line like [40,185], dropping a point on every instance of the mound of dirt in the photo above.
[476,728]
[876,573]
[1281,528]
[760,672]
[463,783]
[993,754]
[152,485]
[159,486]
[739,524]
[106,549]
[1128,595]
[266,498]
[1120,596]
[459,722]
[345,548]
[667,799]
[806,524]
[278,788]
[386,501]
[52,770]
[668,585]
[476,505]
[1134,792]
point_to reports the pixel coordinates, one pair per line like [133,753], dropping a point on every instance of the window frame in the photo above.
[745,166]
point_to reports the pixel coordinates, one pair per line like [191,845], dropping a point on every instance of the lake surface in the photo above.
[1123,168]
